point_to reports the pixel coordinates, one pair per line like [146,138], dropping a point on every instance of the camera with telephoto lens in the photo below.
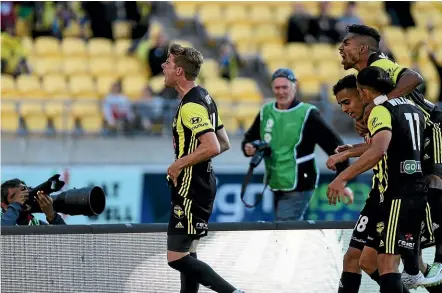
[262,150]
[86,201]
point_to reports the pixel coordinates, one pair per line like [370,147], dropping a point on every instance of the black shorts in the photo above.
[431,230]
[364,232]
[181,242]
[433,145]
[399,225]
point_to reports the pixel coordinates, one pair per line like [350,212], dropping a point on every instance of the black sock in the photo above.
[375,277]
[435,202]
[391,283]
[349,282]
[435,289]
[188,283]
[411,262]
[202,273]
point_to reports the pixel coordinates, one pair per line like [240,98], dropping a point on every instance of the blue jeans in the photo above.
[292,205]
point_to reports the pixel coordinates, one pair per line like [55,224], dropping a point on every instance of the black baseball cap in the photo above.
[284,72]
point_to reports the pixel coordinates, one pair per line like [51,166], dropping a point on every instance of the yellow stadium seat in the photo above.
[101,66]
[297,51]
[282,13]
[435,38]
[56,85]
[274,65]
[328,71]
[64,123]
[29,87]
[239,32]
[89,115]
[129,65]
[82,86]
[324,52]
[260,14]
[33,115]
[245,89]
[210,68]
[304,70]
[155,28]
[246,111]
[54,109]
[266,33]
[183,43]
[122,29]
[99,47]
[394,35]
[210,13]
[9,89]
[73,47]
[76,65]
[432,92]
[219,88]
[27,44]
[272,52]
[22,27]
[185,9]
[310,87]
[337,8]
[121,47]
[44,66]
[156,83]
[9,121]
[133,86]
[235,14]
[72,31]
[416,35]
[245,48]
[216,29]
[47,46]
[104,84]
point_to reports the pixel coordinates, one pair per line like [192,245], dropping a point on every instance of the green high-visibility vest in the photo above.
[282,129]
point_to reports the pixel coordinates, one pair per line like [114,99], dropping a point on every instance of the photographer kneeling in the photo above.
[15,211]
[291,129]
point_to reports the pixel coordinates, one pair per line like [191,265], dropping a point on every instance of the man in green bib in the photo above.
[292,129]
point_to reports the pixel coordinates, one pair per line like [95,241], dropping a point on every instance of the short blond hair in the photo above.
[190,59]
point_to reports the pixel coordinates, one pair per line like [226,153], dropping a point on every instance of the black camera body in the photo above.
[86,201]
[262,150]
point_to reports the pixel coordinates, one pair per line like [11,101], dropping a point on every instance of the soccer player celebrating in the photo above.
[395,153]
[362,253]
[359,49]
[198,136]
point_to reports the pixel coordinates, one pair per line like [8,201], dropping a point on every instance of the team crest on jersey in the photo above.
[380,227]
[195,120]
[178,212]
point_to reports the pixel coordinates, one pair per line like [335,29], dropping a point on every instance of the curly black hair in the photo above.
[366,31]
[347,82]
[376,78]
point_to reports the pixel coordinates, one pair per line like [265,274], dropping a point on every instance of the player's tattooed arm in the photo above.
[407,82]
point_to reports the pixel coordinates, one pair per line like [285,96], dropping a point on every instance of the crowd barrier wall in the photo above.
[299,257]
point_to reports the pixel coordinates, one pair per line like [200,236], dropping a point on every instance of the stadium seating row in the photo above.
[82,86]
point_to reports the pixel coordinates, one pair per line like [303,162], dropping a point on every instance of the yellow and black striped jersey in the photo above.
[197,114]
[395,71]
[399,172]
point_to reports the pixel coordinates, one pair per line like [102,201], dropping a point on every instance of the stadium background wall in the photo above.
[137,194]
[257,257]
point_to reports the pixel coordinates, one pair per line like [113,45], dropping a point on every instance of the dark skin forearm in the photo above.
[406,84]
[357,150]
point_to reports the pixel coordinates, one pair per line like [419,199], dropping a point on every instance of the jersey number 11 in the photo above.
[415,134]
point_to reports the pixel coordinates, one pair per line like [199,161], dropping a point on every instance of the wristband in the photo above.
[379,100]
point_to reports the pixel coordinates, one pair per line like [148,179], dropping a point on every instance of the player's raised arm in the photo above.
[406,83]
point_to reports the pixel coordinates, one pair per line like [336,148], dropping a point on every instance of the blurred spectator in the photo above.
[8,14]
[157,54]
[400,13]
[323,28]
[385,49]
[117,110]
[348,18]
[101,14]
[228,62]
[299,25]
[150,109]
[13,58]
[438,67]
